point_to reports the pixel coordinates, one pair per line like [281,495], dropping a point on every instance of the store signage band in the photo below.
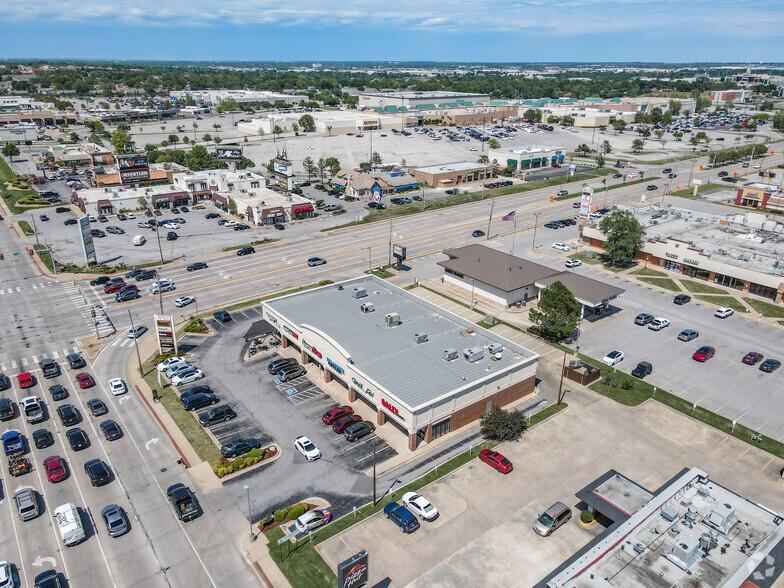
[671,255]
[691,261]
[290,332]
[335,366]
[362,387]
[391,408]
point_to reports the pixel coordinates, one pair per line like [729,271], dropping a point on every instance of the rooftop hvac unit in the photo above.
[420,337]
[366,307]
[669,513]
[473,354]
[392,319]
[359,292]
[450,354]
[722,518]
[495,348]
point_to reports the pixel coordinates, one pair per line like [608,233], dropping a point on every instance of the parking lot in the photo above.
[484,530]
[279,412]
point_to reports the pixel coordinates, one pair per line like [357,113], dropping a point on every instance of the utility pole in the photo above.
[389,262]
[560,386]
[536,222]
[604,181]
[160,289]
[158,234]
[35,229]
[423,198]
[136,343]
[370,263]
[514,234]
[374,471]
[692,170]
[492,204]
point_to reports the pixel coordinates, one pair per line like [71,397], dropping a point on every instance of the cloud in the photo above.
[541,17]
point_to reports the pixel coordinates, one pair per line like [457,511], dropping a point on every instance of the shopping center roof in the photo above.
[416,374]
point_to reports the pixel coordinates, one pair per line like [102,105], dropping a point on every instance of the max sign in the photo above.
[389,407]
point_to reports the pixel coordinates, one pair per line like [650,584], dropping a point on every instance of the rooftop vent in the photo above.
[420,337]
[359,292]
[473,354]
[722,518]
[450,354]
[366,307]
[495,348]
[392,319]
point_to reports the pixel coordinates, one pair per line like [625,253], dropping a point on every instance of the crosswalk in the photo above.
[121,342]
[32,361]
[80,296]
[18,289]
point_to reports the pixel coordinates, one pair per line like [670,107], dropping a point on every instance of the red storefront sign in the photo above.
[389,407]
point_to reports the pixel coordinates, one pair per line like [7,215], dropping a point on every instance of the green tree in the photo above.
[493,144]
[599,160]
[702,104]
[95,126]
[532,115]
[567,121]
[74,136]
[502,425]
[584,149]
[141,203]
[375,159]
[261,133]
[198,158]
[483,159]
[206,137]
[122,142]
[10,150]
[619,124]
[667,118]
[557,313]
[307,123]
[216,126]
[656,115]
[322,166]
[778,121]
[310,167]
[93,138]
[637,146]
[227,105]
[217,140]
[333,165]
[695,140]
[173,139]
[231,205]
[295,127]
[276,130]
[729,105]
[623,235]
[606,147]
[675,107]
[659,134]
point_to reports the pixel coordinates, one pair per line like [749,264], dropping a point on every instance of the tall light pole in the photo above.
[490,218]
[250,518]
[536,222]
[136,343]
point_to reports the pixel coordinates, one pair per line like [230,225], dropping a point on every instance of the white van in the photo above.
[70,524]
[139,240]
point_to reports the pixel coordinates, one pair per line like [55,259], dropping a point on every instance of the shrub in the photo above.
[279,516]
[256,453]
[586,517]
[238,464]
[627,384]
[222,471]
[297,511]
[325,282]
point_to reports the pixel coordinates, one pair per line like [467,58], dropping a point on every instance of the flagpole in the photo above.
[514,233]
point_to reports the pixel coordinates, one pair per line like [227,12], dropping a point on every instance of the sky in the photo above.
[404,30]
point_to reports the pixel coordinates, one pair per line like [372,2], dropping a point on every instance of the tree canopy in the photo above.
[623,234]
[502,425]
[557,313]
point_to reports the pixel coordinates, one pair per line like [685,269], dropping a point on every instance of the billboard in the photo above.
[132,161]
[585,202]
[353,572]
[164,328]
[376,192]
[134,175]
[228,153]
[88,245]
[283,167]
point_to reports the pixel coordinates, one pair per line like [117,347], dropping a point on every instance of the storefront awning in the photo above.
[272,212]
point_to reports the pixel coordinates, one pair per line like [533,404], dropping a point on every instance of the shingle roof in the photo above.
[495,268]
[584,289]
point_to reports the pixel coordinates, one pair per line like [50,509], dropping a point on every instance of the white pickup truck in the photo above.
[69,521]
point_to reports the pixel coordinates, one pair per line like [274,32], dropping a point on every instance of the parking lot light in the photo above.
[250,518]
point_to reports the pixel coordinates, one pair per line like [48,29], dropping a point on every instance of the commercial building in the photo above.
[39,117]
[735,96]
[690,532]
[9,103]
[525,157]
[455,114]
[113,200]
[507,280]
[215,97]
[759,195]
[447,175]
[739,251]
[159,173]
[203,185]
[266,207]
[361,184]
[82,155]
[423,370]
[373,100]
[327,123]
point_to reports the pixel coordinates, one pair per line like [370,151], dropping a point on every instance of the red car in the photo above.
[25,380]
[113,287]
[347,419]
[334,414]
[704,353]
[55,468]
[85,380]
[128,288]
[496,460]
[37,181]
[752,358]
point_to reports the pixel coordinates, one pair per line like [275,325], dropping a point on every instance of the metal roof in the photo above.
[413,373]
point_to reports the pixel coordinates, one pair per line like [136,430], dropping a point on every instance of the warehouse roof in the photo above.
[416,374]
[457,166]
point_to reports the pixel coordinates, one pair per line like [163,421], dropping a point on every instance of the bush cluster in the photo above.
[224,467]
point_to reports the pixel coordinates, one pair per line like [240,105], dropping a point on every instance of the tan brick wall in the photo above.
[471,413]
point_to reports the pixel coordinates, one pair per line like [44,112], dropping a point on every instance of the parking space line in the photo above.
[718,445]
[381,547]
[742,454]
[766,465]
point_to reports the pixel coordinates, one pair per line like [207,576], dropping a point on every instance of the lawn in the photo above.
[644,271]
[665,283]
[195,434]
[688,191]
[701,287]
[727,301]
[26,228]
[765,308]
[302,565]
[583,256]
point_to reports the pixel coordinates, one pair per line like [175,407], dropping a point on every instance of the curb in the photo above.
[162,426]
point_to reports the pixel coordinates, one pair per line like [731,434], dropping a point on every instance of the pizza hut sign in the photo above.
[353,572]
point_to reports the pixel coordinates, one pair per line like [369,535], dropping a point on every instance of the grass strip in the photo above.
[765,308]
[300,563]
[648,272]
[727,301]
[26,228]
[665,283]
[701,287]
[583,256]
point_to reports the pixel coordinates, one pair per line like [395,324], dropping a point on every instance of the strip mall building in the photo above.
[423,370]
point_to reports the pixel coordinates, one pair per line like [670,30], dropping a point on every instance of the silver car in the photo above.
[26,504]
[552,518]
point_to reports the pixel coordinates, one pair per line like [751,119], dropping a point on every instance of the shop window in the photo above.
[442,428]
[695,272]
[728,281]
[764,291]
[254,184]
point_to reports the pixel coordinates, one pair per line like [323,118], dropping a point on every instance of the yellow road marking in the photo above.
[373,538]
[742,454]
[718,445]
[766,465]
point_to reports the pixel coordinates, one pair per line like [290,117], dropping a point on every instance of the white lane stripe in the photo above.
[13,365]
[24,361]
[35,359]
[55,355]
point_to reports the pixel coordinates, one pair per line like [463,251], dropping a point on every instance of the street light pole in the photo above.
[136,343]
[536,222]
[158,234]
[492,204]
[250,518]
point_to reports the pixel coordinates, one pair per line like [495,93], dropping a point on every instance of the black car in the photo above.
[211,215]
[49,579]
[184,209]
[75,360]
[98,233]
[42,438]
[134,272]
[58,392]
[239,447]
[357,430]
[770,365]
[196,266]
[279,364]
[279,227]
[97,407]
[201,389]
[682,299]
[111,430]
[7,411]
[198,401]
[70,221]
[127,295]
[246,250]
[219,414]
[62,209]
[478,233]
[68,415]
[146,275]
[241,227]
[43,217]
[171,236]
[98,472]
[5,382]
[222,316]
[121,217]
[643,369]
[78,439]
[102,218]
[99,280]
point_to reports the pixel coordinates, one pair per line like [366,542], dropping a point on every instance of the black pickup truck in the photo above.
[183,501]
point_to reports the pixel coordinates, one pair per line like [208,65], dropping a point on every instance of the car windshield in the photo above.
[546,520]
[505,461]
[55,468]
[308,446]
[117,522]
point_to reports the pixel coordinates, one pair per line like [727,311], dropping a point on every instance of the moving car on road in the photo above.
[116,520]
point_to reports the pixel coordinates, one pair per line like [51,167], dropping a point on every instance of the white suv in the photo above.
[724,312]
[561,246]
[162,286]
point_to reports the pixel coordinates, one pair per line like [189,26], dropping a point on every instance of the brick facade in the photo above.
[471,413]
